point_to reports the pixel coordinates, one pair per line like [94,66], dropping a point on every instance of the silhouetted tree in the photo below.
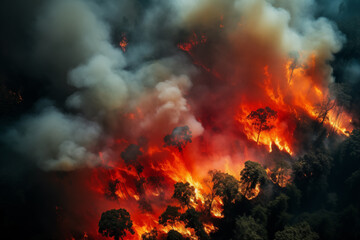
[277,216]
[261,119]
[312,166]
[246,228]
[252,175]
[174,235]
[184,193]
[350,153]
[191,218]
[115,223]
[341,92]
[131,153]
[179,137]
[170,216]
[294,64]
[210,196]
[152,235]
[323,108]
[113,187]
[259,213]
[225,186]
[301,231]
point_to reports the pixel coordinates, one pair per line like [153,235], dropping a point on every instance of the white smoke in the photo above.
[169,106]
[55,140]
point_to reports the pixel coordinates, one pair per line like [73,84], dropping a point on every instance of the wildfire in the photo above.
[285,92]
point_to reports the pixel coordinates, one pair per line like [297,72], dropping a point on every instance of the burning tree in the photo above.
[115,223]
[225,186]
[184,193]
[179,137]
[323,109]
[251,177]
[152,235]
[170,216]
[261,119]
[192,220]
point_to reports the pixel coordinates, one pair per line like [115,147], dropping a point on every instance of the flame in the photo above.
[299,93]
[209,228]
[253,193]
[123,43]
[217,208]
[281,176]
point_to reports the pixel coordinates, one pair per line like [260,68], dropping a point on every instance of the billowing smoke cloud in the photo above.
[56,140]
[75,51]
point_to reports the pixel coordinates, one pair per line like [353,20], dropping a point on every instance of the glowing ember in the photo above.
[123,43]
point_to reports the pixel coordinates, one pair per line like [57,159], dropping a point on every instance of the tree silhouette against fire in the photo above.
[179,137]
[261,119]
[115,223]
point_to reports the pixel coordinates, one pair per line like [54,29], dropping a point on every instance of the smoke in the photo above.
[75,51]
[55,140]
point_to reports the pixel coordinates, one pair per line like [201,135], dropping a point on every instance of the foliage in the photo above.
[178,138]
[225,186]
[301,231]
[115,223]
[113,187]
[252,175]
[312,166]
[174,235]
[350,150]
[277,216]
[261,119]
[259,213]
[170,216]
[184,193]
[191,218]
[246,228]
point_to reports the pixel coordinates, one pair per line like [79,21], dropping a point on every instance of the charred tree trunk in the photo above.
[260,127]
